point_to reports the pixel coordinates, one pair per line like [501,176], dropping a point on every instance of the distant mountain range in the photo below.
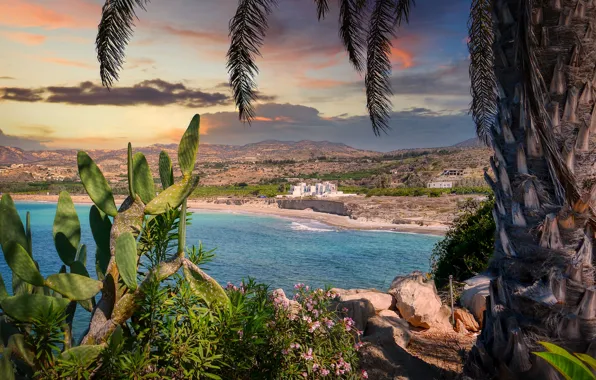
[261,151]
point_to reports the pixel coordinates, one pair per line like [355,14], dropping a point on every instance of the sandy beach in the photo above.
[262,209]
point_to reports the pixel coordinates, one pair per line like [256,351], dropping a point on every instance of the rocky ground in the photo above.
[407,332]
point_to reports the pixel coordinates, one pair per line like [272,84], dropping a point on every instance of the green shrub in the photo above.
[467,246]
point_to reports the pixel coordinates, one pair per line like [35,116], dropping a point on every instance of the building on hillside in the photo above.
[440,185]
[448,178]
[324,189]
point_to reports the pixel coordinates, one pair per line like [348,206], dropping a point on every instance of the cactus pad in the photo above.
[96,184]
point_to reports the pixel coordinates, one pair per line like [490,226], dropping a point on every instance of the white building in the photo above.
[324,189]
[440,185]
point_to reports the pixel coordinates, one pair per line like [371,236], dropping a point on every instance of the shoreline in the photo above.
[342,222]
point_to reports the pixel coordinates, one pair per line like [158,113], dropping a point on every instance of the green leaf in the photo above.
[6,369]
[28,235]
[11,226]
[143,180]
[74,286]
[166,172]
[569,368]
[22,264]
[3,292]
[96,184]
[101,227]
[588,360]
[189,147]
[131,182]
[82,354]
[205,287]
[67,229]
[26,307]
[126,259]
[81,256]
[17,346]
[173,196]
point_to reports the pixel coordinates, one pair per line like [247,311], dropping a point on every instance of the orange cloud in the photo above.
[25,38]
[404,58]
[61,14]
[196,34]
[261,118]
[68,62]
[316,83]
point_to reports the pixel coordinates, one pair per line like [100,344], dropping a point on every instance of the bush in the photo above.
[467,246]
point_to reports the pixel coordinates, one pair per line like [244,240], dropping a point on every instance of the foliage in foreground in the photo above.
[154,312]
[467,246]
[572,367]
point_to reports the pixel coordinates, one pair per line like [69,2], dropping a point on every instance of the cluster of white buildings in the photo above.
[325,189]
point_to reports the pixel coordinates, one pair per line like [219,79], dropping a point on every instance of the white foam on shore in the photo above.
[303,227]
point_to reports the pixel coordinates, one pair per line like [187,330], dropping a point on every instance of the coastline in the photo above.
[343,222]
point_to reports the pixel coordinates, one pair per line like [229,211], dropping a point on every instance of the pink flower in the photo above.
[345,309]
[314,326]
[315,367]
[284,351]
[358,345]
[295,345]
[308,355]
[324,372]
[304,374]
[329,323]
[307,318]
[359,332]
[364,374]
[240,334]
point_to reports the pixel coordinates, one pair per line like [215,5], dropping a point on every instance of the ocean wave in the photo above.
[303,227]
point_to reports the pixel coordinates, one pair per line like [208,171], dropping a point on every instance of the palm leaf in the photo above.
[351,31]
[247,31]
[402,11]
[114,31]
[322,8]
[482,73]
[378,64]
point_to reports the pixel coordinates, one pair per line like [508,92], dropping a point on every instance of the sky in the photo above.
[51,95]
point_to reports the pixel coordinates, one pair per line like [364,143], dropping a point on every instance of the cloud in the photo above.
[444,80]
[25,38]
[7,78]
[413,128]
[20,142]
[61,14]
[68,62]
[154,92]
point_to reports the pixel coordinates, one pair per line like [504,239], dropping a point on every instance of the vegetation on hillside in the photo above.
[467,246]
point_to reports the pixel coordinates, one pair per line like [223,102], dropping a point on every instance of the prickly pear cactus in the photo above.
[112,297]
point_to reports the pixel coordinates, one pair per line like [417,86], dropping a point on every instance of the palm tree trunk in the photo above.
[543,175]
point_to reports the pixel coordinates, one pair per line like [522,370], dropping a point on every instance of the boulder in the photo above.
[387,328]
[467,319]
[418,302]
[474,295]
[379,300]
[279,298]
[360,310]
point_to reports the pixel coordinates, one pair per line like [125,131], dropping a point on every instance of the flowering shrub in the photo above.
[260,335]
[312,341]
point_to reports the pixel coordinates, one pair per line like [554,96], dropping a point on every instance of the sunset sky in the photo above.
[51,96]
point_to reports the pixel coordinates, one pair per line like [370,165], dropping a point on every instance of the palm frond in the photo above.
[378,64]
[247,31]
[402,11]
[351,31]
[113,34]
[482,73]
[322,8]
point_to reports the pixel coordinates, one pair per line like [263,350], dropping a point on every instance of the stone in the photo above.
[387,329]
[418,302]
[379,300]
[360,310]
[279,297]
[459,327]
[467,319]
[474,295]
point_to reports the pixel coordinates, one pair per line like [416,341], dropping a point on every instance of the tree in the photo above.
[532,72]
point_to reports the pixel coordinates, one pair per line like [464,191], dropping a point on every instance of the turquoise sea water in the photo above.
[276,251]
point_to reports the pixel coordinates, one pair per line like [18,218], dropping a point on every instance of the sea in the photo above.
[273,250]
